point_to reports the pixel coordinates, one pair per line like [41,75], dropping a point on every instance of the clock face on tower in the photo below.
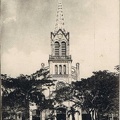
[59,35]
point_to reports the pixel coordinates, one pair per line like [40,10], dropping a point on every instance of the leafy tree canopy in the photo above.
[17,93]
[100,92]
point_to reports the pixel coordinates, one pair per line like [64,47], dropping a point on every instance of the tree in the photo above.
[64,93]
[117,67]
[99,91]
[97,95]
[23,90]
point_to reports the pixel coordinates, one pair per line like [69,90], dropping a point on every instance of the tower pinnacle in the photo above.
[59,18]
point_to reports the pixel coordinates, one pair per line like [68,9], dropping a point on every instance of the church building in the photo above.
[60,67]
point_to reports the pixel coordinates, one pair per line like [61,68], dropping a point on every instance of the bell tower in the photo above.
[60,69]
[60,59]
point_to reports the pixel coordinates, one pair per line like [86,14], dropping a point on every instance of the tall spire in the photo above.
[60,18]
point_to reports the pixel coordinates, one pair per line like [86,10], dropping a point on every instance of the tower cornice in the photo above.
[60,58]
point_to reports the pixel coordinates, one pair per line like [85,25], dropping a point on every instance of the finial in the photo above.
[60,17]
[42,65]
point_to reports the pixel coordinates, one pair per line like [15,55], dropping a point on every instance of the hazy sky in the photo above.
[26,27]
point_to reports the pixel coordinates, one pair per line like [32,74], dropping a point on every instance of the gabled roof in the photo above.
[65,34]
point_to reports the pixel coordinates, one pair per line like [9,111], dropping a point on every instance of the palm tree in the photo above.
[72,112]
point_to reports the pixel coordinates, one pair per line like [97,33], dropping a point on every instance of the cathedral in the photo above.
[60,68]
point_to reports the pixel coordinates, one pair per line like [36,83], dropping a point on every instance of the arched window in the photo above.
[57,46]
[60,69]
[56,69]
[64,69]
[61,113]
[63,49]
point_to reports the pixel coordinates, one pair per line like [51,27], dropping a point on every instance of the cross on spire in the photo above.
[59,18]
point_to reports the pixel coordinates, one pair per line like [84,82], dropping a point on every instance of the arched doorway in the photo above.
[35,114]
[61,113]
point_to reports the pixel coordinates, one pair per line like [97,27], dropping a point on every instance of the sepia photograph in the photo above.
[59,60]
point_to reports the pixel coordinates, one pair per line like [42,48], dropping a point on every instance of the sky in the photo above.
[26,27]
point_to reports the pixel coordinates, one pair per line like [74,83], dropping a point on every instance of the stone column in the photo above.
[70,118]
[80,116]
[78,71]
[30,115]
[77,115]
[55,115]
[69,72]
[43,115]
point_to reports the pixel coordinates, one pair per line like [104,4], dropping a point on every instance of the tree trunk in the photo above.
[27,110]
[73,117]
[95,115]
[98,116]
[16,116]
[92,114]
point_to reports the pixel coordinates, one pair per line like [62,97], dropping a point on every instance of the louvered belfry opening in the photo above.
[57,47]
[60,69]
[56,69]
[64,69]
[63,49]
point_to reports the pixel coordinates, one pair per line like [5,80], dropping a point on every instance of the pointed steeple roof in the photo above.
[60,17]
